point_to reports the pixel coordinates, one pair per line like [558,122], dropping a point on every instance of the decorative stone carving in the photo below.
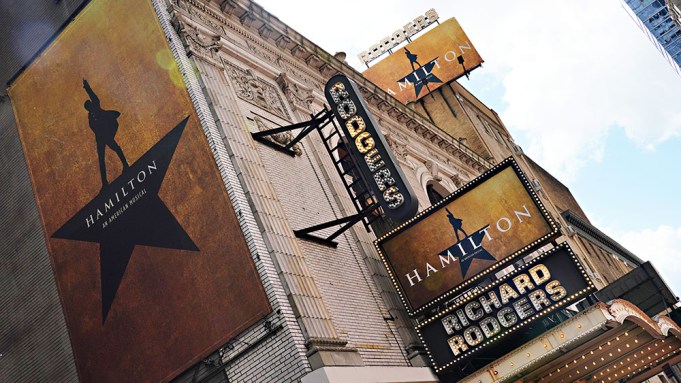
[399,148]
[198,42]
[384,106]
[227,6]
[280,138]
[434,170]
[247,19]
[265,31]
[457,180]
[297,95]
[257,91]
[299,52]
[283,41]
[263,54]
[313,61]
[327,70]
[201,15]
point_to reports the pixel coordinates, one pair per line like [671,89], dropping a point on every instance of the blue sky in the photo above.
[579,86]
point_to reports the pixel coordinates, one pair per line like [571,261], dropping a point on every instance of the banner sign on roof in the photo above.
[437,57]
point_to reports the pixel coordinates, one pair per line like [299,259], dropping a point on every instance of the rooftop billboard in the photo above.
[439,56]
[149,259]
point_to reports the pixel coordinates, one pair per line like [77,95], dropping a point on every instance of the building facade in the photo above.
[659,20]
[336,316]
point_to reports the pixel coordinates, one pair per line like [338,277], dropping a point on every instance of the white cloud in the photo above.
[660,246]
[572,71]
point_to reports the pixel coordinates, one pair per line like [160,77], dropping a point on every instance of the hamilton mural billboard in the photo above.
[151,266]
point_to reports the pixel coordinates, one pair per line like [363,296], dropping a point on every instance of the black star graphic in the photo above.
[473,250]
[468,249]
[129,212]
[421,77]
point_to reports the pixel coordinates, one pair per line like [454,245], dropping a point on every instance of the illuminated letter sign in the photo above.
[445,248]
[400,35]
[369,150]
[550,281]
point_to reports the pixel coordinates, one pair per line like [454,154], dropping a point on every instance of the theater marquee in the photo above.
[445,248]
[150,263]
[439,56]
[553,280]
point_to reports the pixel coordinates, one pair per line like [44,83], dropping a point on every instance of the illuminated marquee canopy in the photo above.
[607,343]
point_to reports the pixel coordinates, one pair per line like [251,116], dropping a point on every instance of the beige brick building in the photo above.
[336,316]
[257,73]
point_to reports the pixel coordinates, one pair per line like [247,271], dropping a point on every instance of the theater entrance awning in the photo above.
[606,343]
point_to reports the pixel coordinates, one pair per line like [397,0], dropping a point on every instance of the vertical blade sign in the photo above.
[369,150]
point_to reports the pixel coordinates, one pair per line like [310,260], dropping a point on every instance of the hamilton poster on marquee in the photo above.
[152,269]
[491,219]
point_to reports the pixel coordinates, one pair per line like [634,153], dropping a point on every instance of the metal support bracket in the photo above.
[357,189]
[347,222]
[316,122]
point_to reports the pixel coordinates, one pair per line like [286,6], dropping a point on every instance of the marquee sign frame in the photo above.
[452,325]
[418,242]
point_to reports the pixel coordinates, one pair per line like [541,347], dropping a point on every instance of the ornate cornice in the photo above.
[668,326]
[246,31]
[622,310]
[305,56]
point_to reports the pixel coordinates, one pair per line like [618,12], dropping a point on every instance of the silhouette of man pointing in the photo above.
[457,225]
[412,59]
[104,123]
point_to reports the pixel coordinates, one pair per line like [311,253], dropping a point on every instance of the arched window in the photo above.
[435,192]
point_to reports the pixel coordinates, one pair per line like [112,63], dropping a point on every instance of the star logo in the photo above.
[421,75]
[129,212]
[470,248]
[467,247]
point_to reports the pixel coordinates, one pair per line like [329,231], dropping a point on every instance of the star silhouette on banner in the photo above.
[474,250]
[469,249]
[421,77]
[128,212]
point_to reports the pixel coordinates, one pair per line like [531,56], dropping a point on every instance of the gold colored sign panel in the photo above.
[441,55]
[492,218]
[149,259]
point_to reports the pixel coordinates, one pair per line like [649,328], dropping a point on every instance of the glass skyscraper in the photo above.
[660,21]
